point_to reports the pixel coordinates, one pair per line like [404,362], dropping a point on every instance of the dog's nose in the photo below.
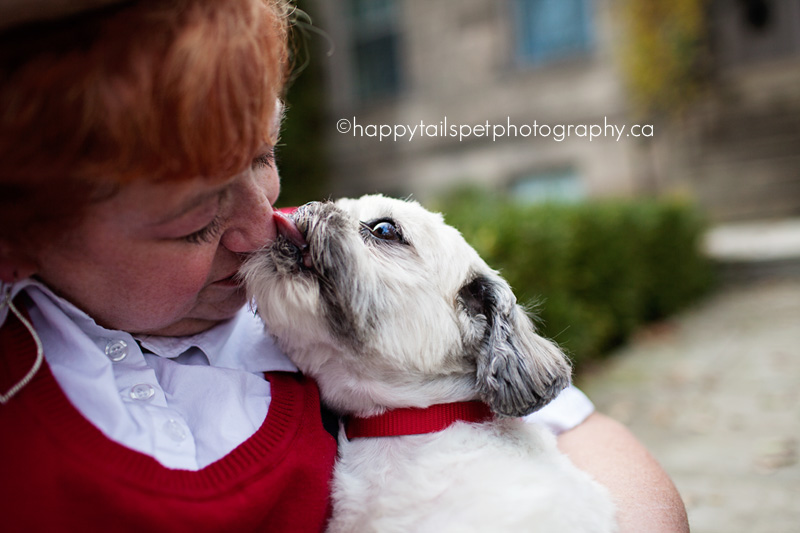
[288,229]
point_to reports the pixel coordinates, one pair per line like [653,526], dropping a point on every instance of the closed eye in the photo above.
[266,159]
[206,234]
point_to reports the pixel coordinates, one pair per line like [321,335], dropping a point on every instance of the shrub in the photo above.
[593,272]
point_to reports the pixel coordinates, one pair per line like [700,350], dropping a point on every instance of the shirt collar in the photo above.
[240,343]
[13,290]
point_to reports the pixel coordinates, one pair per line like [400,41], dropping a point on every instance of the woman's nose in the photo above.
[252,225]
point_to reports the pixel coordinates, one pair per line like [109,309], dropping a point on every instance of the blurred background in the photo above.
[718,81]
[667,265]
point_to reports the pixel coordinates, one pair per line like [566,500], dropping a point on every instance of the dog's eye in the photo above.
[384,230]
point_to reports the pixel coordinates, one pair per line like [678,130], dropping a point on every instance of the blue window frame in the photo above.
[551,30]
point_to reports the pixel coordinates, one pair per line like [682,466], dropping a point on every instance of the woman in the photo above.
[137,142]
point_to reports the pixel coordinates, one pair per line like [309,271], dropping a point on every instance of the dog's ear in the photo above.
[518,371]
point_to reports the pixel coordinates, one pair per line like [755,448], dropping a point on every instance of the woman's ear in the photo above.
[518,372]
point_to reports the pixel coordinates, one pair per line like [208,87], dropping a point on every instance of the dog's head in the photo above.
[387,306]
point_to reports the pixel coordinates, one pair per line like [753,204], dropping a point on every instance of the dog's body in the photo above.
[387,307]
[500,476]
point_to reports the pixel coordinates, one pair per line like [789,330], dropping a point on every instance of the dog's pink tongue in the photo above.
[288,229]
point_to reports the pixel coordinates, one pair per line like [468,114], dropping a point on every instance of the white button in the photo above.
[116,350]
[175,430]
[142,392]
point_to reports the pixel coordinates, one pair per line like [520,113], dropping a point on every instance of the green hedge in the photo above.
[592,271]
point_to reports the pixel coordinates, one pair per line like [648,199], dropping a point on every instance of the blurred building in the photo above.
[517,74]
[740,149]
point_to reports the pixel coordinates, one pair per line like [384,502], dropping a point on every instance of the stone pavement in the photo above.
[714,393]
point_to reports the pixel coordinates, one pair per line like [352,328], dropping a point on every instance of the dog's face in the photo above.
[386,306]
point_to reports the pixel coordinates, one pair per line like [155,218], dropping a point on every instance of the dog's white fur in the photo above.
[418,320]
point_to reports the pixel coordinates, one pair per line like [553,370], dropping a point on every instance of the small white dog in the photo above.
[388,308]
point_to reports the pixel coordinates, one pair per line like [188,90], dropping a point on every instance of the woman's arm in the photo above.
[646,498]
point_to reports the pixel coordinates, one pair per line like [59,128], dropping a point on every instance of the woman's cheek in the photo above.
[182,275]
[195,272]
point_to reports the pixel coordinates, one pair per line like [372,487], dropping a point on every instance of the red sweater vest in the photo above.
[60,473]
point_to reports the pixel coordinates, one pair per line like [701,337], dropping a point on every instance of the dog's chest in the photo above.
[509,477]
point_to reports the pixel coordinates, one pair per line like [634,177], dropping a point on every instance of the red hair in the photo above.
[156,90]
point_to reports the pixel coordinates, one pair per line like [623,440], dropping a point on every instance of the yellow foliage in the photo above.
[663,43]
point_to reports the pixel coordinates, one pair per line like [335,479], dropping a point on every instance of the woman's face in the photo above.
[160,258]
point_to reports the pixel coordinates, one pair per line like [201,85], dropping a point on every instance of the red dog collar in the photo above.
[416,421]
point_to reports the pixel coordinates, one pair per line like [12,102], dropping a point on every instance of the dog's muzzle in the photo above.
[292,241]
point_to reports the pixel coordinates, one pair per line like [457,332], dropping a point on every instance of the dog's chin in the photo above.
[350,392]
[286,298]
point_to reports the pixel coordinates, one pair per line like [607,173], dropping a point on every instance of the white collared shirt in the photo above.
[185,401]
[187,407]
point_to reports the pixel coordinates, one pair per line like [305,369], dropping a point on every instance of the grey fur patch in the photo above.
[518,372]
[327,230]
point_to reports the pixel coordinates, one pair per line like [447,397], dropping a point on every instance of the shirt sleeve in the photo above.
[569,409]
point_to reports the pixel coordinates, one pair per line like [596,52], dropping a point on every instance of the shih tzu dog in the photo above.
[423,350]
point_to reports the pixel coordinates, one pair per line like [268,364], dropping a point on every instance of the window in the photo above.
[550,30]
[376,51]
[750,31]
[558,185]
